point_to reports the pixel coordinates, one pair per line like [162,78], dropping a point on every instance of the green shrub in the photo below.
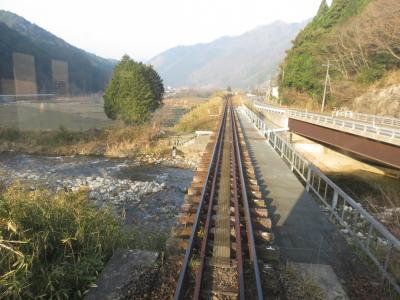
[63,136]
[369,75]
[9,134]
[53,245]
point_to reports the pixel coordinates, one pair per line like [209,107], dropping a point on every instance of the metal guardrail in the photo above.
[382,247]
[367,118]
[389,135]
[345,124]
[272,109]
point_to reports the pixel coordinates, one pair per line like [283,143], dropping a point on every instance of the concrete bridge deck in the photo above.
[376,144]
[380,131]
[302,231]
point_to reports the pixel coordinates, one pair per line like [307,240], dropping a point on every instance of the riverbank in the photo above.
[128,186]
[142,199]
[149,143]
[133,141]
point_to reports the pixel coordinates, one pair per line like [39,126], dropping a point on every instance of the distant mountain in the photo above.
[238,61]
[85,72]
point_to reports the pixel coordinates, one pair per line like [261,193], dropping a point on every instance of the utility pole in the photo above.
[283,78]
[268,92]
[327,78]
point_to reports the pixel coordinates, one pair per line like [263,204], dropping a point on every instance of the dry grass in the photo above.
[118,141]
[386,206]
[184,102]
[203,117]
[296,99]
[131,140]
[389,79]
[380,195]
[52,245]
[298,286]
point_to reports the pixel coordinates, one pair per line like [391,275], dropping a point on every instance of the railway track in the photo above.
[224,226]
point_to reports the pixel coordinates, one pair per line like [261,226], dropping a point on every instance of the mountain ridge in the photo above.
[256,54]
[87,72]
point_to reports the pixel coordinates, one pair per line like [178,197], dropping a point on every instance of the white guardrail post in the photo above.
[381,246]
[308,179]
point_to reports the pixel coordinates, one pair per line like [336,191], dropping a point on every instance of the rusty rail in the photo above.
[205,240]
[210,174]
[204,215]
[245,202]
[238,233]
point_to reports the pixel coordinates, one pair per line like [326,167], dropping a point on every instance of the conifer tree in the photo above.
[134,92]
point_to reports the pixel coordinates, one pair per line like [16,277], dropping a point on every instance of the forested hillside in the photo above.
[87,72]
[361,41]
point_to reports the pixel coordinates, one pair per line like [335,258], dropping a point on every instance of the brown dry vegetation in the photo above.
[298,286]
[184,102]
[203,117]
[54,245]
[120,140]
[376,31]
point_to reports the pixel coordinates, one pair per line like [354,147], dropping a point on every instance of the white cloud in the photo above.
[143,28]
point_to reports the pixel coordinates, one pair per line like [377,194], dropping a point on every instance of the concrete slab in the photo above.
[198,144]
[124,267]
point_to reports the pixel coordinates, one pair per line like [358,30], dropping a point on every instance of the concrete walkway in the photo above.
[302,231]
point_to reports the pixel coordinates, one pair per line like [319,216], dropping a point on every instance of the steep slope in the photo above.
[359,38]
[239,61]
[87,72]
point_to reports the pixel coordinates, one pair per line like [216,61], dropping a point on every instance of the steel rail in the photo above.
[249,225]
[209,191]
[188,252]
[239,252]
[200,270]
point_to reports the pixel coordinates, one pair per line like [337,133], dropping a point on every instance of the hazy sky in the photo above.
[143,28]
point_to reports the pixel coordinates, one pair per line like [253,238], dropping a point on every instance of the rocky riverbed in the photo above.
[140,193]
